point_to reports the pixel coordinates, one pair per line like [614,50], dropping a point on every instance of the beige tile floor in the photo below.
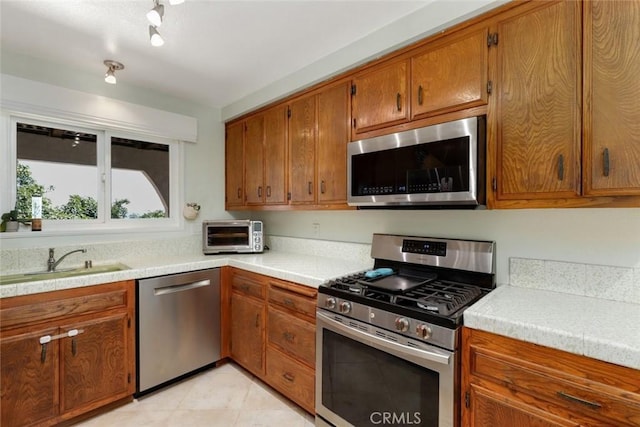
[224,396]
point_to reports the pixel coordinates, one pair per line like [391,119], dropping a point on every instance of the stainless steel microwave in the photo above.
[436,166]
[232,236]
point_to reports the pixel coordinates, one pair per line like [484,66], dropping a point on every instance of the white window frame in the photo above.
[104,223]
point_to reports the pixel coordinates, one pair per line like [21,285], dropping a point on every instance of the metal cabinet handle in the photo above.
[605,161]
[239,193]
[289,337]
[310,187]
[260,191]
[288,376]
[561,167]
[399,101]
[268,191]
[43,353]
[258,320]
[420,95]
[74,346]
[323,187]
[289,302]
[570,398]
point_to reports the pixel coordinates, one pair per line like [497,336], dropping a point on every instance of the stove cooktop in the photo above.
[427,299]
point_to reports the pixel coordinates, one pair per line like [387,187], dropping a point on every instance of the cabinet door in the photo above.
[380,97]
[234,164]
[450,76]
[538,103]
[302,150]
[247,333]
[275,146]
[254,160]
[489,409]
[28,377]
[333,136]
[612,94]
[94,365]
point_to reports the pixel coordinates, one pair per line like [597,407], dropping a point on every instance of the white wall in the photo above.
[593,236]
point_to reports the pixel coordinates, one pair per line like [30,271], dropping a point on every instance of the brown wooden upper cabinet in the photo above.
[537,102]
[234,165]
[380,97]
[450,74]
[318,137]
[265,148]
[612,98]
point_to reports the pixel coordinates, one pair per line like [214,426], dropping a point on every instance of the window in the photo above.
[94,177]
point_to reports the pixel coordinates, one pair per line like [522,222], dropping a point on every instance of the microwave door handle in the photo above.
[432,355]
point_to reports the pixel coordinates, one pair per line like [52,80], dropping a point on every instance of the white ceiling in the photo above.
[215,52]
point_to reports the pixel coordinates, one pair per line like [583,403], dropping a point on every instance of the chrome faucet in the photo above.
[52,263]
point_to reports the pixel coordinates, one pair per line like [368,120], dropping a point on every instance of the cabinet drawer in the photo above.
[569,389]
[291,378]
[248,286]
[27,309]
[292,301]
[293,335]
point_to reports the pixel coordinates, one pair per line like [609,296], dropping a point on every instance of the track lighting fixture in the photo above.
[155,15]
[155,37]
[112,67]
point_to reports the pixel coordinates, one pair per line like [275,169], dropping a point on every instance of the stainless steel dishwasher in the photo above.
[178,330]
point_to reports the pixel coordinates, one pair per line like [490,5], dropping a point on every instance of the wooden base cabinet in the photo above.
[66,353]
[281,349]
[508,382]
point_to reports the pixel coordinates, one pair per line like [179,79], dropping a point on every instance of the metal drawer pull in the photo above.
[561,167]
[258,320]
[179,288]
[289,377]
[399,101]
[239,193]
[268,191]
[605,160]
[420,95]
[310,187]
[260,191]
[289,302]
[74,346]
[323,187]
[574,399]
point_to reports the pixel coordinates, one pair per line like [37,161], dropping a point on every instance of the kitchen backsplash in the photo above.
[359,252]
[35,259]
[601,281]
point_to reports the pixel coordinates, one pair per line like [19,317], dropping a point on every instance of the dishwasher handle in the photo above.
[172,289]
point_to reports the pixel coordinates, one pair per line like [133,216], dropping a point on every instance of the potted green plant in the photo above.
[9,221]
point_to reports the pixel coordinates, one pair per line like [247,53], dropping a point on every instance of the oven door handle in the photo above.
[438,356]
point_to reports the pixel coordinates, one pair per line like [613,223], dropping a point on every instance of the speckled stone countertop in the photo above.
[309,270]
[594,327]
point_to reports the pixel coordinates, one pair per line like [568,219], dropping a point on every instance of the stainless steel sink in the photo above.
[61,274]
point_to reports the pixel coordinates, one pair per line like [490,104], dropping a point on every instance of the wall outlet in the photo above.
[315,229]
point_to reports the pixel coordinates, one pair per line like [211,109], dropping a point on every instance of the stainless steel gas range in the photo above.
[387,342]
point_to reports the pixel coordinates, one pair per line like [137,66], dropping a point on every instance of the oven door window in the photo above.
[228,236]
[368,387]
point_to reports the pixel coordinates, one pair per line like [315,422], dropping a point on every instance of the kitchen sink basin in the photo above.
[61,274]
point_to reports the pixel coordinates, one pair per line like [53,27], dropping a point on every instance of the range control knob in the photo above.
[330,303]
[345,307]
[402,324]
[423,331]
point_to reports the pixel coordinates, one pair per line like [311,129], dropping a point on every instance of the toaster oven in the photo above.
[232,236]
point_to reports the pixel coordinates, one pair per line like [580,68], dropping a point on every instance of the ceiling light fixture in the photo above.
[112,67]
[155,15]
[155,37]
